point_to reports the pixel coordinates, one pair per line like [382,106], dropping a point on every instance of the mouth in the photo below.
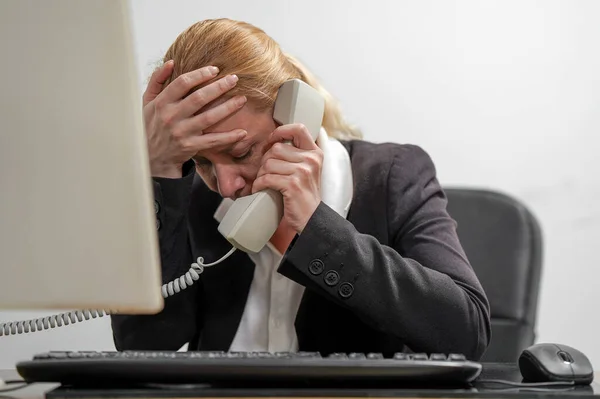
[244,193]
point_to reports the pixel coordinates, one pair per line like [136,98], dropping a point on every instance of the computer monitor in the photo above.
[77,222]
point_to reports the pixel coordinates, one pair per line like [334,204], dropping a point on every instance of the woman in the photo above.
[366,258]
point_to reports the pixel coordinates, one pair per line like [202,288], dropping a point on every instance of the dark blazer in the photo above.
[405,283]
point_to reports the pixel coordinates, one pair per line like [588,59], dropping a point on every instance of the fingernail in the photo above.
[241,101]
[242,133]
[231,79]
[213,70]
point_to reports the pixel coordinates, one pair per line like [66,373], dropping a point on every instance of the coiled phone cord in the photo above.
[63,319]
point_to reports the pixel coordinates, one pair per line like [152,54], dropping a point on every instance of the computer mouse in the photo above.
[546,362]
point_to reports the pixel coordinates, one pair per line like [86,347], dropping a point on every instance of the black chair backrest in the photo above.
[503,242]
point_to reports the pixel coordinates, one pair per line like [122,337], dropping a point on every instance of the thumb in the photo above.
[157,80]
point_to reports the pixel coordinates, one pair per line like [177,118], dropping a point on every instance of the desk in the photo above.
[35,391]
[38,391]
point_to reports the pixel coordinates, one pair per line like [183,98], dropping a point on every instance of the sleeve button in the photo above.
[316,267]
[332,278]
[346,290]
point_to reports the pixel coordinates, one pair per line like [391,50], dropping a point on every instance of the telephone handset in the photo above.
[252,220]
[248,225]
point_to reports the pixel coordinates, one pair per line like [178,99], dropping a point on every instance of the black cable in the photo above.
[12,382]
[530,389]
[528,384]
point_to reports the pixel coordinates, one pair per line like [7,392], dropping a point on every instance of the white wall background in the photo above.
[502,94]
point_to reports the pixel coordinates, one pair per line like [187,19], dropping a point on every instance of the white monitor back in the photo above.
[77,225]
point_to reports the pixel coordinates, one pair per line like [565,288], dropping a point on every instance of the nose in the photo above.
[229,181]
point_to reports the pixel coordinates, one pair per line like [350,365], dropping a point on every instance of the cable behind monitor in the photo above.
[64,319]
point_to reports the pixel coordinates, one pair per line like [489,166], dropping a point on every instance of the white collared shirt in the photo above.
[267,323]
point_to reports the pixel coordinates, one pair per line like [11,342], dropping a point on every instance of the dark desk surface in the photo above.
[490,371]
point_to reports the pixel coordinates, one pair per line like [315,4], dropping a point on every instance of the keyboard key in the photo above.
[195,355]
[401,356]
[374,356]
[357,356]
[338,356]
[307,354]
[58,355]
[419,356]
[437,356]
[457,357]
[283,355]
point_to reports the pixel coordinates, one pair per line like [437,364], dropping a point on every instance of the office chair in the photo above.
[503,242]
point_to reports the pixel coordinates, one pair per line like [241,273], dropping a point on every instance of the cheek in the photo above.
[253,166]
[249,172]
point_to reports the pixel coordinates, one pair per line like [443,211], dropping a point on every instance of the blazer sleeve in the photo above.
[421,287]
[175,325]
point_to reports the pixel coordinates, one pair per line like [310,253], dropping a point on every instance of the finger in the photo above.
[277,167]
[213,115]
[214,140]
[297,133]
[182,85]
[285,152]
[270,181]
[157,80]
[201,97]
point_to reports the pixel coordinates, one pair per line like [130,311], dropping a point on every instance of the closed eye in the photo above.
[245,155]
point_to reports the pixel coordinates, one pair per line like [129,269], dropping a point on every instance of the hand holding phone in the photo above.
[292,167]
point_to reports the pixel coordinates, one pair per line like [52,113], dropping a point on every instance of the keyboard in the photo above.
[246,368]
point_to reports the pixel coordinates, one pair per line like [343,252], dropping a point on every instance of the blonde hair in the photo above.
[262,67]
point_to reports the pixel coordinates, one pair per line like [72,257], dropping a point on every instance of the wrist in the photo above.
[304,222]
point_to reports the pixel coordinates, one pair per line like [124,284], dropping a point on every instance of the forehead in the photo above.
[246,118]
